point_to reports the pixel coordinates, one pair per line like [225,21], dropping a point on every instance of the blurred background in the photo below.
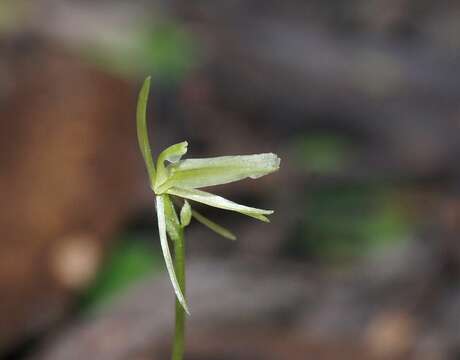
[361,100]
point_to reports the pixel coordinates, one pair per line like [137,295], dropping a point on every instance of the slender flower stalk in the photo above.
[177,178]
[179,266]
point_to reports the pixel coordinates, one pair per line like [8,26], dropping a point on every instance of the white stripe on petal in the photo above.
[166,253]
[219,202]
[198,173]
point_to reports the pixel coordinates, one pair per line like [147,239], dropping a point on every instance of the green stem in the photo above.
[179,265]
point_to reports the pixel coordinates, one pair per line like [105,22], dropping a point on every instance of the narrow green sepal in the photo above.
[142,129]
[213,226]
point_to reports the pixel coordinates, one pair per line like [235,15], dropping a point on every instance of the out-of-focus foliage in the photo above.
[10,13]
[163,49]
[131,260]
[343,222]
[323,153]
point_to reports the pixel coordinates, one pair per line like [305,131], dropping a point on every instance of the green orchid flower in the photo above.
[173,177]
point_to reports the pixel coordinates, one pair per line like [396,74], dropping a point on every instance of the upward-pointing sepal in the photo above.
[142,129]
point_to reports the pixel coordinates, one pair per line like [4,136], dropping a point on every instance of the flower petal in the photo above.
[219,202]
[171,154]
[213,226]
[173,226]
[197,173]
[185,214]
[166,253]
[142,132]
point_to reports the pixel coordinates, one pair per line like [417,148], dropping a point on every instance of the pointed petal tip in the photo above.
[185,145]
[182,302]
[182,144]
[185,307]
[264,212]
[229,236]
[264,219]
[146,84]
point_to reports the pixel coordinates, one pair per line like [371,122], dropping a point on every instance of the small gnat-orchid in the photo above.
[173,177]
